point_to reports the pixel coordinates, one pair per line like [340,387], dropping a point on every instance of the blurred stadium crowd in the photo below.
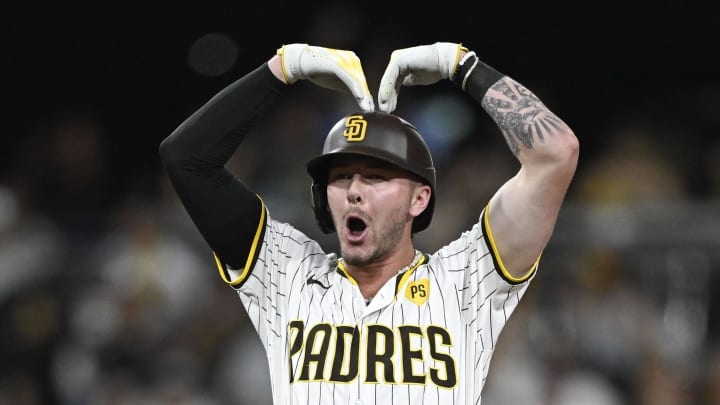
[113,298]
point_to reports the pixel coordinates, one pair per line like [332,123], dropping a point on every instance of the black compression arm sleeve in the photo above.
[224,210]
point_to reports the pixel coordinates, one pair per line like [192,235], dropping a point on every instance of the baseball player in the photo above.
[380,322]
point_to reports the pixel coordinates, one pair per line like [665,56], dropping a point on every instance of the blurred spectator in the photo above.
[634,166]
[65,160]
[31,256]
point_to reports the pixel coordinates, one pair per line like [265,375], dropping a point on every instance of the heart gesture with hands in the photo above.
[341,70]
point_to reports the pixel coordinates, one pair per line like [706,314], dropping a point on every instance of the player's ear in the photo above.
[420,199]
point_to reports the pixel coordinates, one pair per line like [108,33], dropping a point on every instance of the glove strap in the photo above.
[281,52]
[475,77]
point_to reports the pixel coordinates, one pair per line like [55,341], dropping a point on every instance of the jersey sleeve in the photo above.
[485,288]
[283,257]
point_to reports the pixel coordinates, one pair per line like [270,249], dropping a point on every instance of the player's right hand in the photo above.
[334,69]
[418,65]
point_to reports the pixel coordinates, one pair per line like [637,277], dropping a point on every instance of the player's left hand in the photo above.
[419,65]
[335,69]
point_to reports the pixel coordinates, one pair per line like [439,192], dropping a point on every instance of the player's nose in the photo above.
[354,191]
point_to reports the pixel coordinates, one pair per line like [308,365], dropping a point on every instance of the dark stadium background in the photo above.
[127,61]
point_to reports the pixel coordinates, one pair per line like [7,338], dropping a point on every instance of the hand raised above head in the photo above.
[335,69]
[418,65]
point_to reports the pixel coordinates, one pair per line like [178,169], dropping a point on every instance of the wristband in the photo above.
[475,77]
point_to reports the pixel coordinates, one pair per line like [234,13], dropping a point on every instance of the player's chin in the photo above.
[354,247]
[355,256]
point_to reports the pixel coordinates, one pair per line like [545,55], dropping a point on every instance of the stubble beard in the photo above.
[385,242]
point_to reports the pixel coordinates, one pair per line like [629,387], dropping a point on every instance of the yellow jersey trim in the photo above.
[245,271]
[496,255]
[404,278]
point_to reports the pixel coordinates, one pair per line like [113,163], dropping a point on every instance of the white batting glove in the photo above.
[418,65]
[334,69]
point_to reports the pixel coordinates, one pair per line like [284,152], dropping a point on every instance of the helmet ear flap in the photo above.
[321,209]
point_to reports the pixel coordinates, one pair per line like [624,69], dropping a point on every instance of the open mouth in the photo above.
[356,226]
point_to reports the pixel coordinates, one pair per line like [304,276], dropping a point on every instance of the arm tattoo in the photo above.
[521,116]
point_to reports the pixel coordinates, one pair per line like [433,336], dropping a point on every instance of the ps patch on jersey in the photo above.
[418,291]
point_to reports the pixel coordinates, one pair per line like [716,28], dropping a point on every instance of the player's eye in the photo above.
[339,176]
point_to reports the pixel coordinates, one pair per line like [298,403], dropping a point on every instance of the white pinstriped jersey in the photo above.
[427,337]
